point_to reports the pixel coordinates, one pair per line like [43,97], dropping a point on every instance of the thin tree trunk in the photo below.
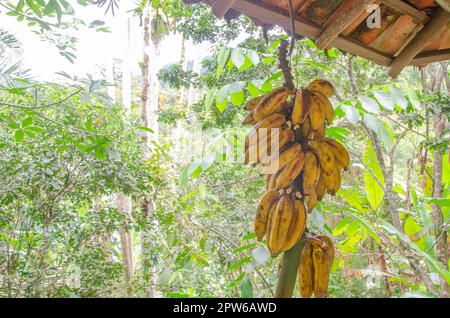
[146,204]
[440,122]
[123,202]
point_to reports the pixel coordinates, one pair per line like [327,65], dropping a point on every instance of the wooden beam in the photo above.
[268,14]
[407,9]
[220,7]
[341,23]
[426,36]
[430,57]
[445,4]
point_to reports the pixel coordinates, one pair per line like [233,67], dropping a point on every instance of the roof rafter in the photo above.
[407,9]
[221,7]
[341,23]
[259,10]
[424,37]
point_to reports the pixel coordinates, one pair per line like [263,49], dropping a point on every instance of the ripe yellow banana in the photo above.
[317,116]
[285,136]
[306,271]
[302,107]
[280,225]
[328,247]
[291,172]
[311,201]
[251,105]
[326,106]
[270,222]
[321,188]
[273,121]
[297,226]
[322,86]
[286,156]
[340,153]
[332,179]
[325,155]
[272,103]
[307,129]
[311,172]
[273,180]
[321,272]
[250,119]
[262,214]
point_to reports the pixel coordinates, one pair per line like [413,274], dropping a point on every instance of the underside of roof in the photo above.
[397,34]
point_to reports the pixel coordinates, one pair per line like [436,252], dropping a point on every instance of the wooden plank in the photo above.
[445,4]
[407,9]
[427,35]
[220,7]
[261,11]
[341,23]
[430,57]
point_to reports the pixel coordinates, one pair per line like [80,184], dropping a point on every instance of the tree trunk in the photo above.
[146,205]
[439,124]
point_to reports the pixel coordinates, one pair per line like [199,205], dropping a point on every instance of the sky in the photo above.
[95,50]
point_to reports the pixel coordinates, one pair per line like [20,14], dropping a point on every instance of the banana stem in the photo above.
[290,259]
[288,272]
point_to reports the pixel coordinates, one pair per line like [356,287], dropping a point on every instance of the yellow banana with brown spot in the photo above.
[272,103]
[291,172]
[311,172]
[317,116]
[306,271]
[325,155]
[326,106]
[322,86]
[250,119]
[262,214]
[251,104]
[286,156]
[285,136]
[321,272]
[302,107]
[297,226]
[340,153]
[280,225]
[311,201]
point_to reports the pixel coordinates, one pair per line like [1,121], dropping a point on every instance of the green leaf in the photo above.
[221,105]
[379,128]
[239,263]
[50,7]
[143,128]
[384,99]
[238,57]
[374,191]
[441,202]
[246,287]
[310,43]
[238,98]
[19,135]
[351,114]
[13,124]
[369,104]
[222,59]
[254,91]
[253,57]
[261,255]
[398,98]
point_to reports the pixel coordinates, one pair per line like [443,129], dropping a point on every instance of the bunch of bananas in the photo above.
[308,164]
[315,265]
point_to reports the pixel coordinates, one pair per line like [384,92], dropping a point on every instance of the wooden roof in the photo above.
[412,32]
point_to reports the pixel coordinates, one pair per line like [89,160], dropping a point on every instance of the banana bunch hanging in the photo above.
[309,165]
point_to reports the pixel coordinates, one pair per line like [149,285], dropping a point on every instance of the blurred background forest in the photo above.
[97,196]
